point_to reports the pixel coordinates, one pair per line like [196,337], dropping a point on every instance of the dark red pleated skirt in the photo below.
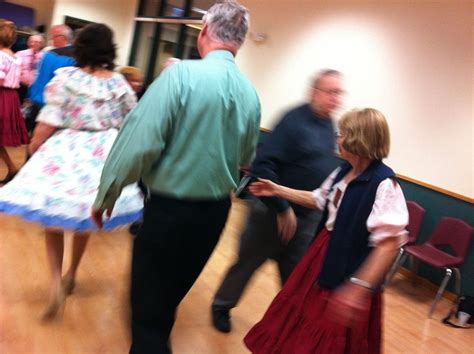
[12,125]
[294,322]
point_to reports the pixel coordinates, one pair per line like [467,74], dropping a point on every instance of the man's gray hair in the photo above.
[323,73]
[65,31]
[228,22]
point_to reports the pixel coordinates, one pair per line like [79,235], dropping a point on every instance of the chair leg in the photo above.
[414,270]
[395,266]
[449,272]
[458,281]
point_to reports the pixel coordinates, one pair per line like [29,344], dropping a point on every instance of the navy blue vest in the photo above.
[348,245]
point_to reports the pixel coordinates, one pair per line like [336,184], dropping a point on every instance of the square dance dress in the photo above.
[58,184]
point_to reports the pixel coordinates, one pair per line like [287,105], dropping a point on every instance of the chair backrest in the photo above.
[416,214]
[454,233]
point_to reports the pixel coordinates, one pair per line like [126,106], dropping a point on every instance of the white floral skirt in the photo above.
[58,184]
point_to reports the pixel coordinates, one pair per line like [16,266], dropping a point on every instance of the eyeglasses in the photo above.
[333,92]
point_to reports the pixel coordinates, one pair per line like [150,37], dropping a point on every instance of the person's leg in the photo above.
[30,121]
[55,249]
[258,242]
[8,161]
[172,247]
[152,317]
[79,243]
[296,248]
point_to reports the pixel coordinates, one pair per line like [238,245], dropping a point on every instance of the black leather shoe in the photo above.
[221,318]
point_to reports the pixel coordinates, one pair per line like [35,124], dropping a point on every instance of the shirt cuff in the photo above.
[105,197]
[387,231]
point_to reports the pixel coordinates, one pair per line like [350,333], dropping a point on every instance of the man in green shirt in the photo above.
[193,128]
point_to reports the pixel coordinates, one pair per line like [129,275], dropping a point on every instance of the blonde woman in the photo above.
[332,301]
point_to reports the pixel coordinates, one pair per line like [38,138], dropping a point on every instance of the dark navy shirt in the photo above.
[299,153]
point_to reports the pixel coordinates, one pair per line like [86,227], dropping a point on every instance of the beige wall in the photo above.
[43,8]
[118,14]
[412,60]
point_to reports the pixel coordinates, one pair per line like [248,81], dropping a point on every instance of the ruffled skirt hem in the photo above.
[68,223]
[296,321]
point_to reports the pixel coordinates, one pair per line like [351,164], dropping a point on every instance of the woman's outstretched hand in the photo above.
[263,188]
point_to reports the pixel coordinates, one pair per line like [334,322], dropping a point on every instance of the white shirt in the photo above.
[389,215]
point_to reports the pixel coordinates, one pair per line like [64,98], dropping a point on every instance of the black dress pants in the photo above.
[172,247]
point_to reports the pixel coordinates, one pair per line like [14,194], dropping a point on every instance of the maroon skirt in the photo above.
[12,125]
[295,321]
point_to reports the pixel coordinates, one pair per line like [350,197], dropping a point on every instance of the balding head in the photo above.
[326,92]
[36,42]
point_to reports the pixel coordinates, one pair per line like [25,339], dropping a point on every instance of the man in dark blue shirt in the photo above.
[299,153]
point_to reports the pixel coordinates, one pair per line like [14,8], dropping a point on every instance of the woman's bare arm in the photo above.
[267,188]
[41,133]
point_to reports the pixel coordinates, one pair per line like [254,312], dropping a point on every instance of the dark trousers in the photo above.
[172,247]
[22,92]
[259,242]
[30,119]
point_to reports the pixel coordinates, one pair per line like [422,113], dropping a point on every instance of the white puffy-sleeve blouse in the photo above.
[389,215]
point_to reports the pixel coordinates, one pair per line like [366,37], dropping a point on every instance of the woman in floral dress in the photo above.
[85,107]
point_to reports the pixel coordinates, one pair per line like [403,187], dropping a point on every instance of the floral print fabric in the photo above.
[58,185]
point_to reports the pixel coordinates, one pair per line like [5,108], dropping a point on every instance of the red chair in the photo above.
[416,214]
[454,234]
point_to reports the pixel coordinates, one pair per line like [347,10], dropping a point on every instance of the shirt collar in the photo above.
[220,54]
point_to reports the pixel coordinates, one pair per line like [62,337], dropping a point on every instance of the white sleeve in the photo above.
[3,69]
[55,97]
[320,195]
[389,215]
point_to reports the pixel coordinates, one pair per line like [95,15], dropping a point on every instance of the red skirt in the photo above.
[12,124]
[294,322]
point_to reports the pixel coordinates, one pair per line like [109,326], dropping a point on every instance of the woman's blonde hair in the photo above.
[7,33]
[365,133]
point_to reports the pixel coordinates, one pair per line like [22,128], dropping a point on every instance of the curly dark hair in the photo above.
[94,46]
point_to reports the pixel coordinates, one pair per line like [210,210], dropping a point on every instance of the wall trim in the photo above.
[437,189]
[420,183]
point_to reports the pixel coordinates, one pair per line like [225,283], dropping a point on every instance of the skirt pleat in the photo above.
[12,124]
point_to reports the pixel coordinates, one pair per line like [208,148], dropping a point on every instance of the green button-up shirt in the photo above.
[196,124]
